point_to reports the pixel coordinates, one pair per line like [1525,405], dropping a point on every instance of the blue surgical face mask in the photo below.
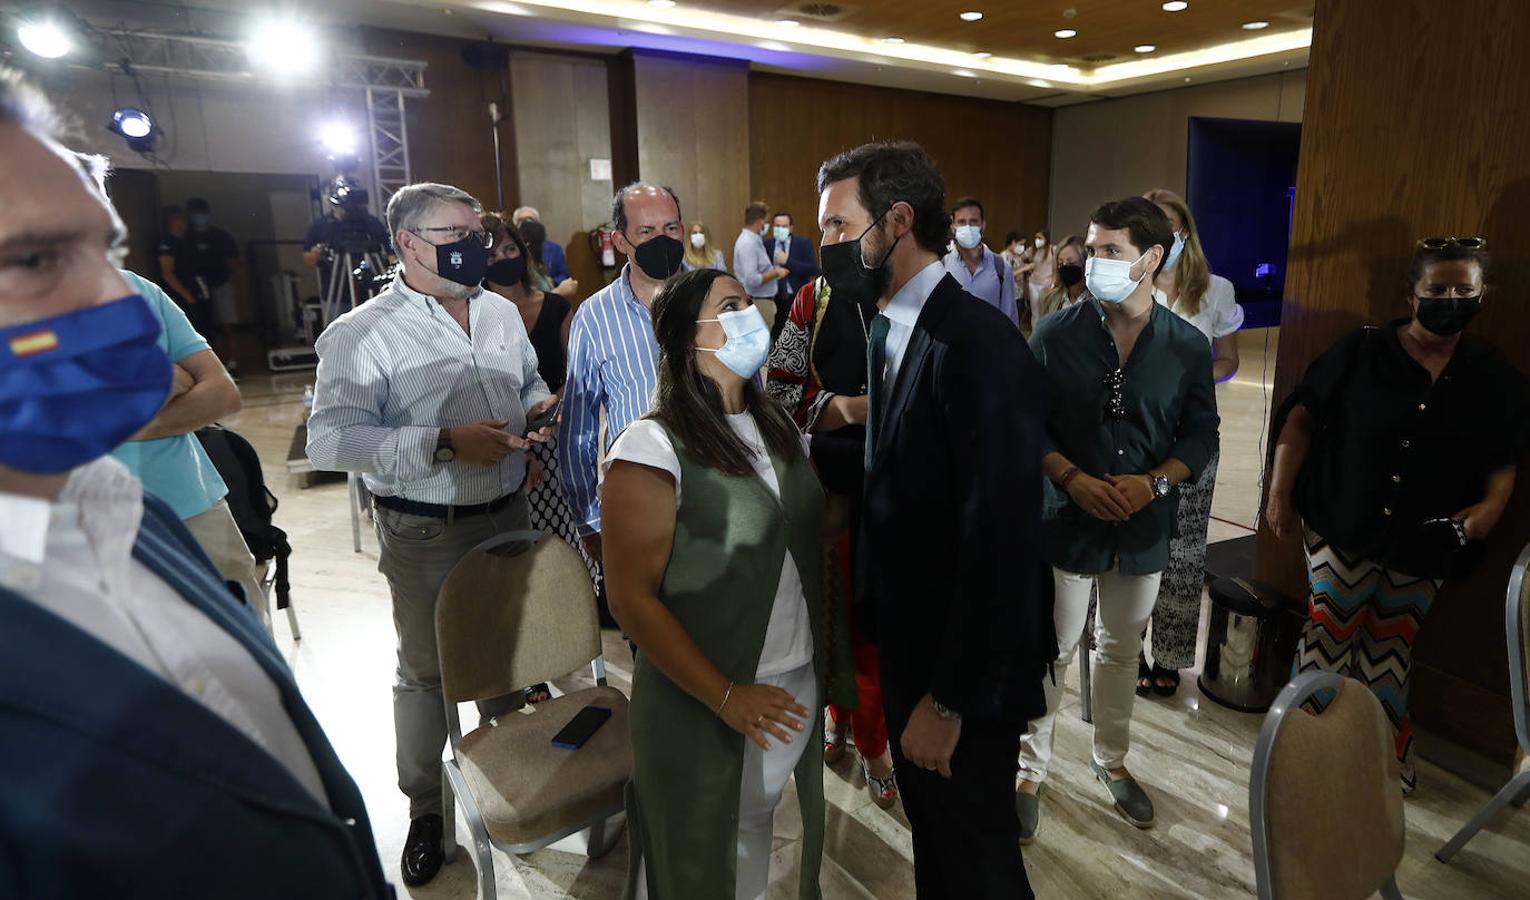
[1175,251]
[1110,280]
[969,236]
[199,220]
[748,343]
[782,233]
[73,387]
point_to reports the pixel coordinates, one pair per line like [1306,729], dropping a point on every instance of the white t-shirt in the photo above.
[789,636]
[1220,314]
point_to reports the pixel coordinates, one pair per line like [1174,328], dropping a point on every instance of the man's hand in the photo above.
[182,381]
[929,740]
[1137,489]
[591,545]
[568,289]
[484,443]
[1479,520]
[782,272]
[1280,515]
[781,256]
[535,473]
[1100,499]
[851,409]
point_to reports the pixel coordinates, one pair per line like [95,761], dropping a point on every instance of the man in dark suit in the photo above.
[949,571]
[795,253]
[152,739]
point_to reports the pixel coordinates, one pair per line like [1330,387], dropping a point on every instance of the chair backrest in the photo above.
[517,610]
[1325,805]
[1517,625]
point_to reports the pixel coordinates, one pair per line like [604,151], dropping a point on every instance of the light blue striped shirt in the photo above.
[751,263]
[397,369]
[613,360]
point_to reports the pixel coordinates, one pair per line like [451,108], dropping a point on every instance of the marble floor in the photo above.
[1191,754]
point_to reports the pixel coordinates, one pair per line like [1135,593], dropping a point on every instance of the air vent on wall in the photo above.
[816,11]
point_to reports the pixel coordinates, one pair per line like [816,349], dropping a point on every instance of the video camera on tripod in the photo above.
[353,255]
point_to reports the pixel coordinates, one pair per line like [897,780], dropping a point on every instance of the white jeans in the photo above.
[1126,604]
[764,779]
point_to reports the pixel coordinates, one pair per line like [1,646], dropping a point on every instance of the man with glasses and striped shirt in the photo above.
[427,389]
[612,354]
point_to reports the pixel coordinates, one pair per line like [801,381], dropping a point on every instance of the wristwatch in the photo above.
[946,712]
[1161,487]
[444,451]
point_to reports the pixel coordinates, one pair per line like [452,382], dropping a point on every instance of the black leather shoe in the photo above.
[422,851]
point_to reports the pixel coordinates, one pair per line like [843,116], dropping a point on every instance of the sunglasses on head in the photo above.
[1440,243]
[1115,401]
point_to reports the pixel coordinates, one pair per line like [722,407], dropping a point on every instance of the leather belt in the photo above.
[439,511]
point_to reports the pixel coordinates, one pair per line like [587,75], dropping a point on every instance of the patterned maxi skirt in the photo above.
[1177,617]
[550,511]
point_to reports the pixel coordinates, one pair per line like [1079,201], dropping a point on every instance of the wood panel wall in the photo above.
[1395,147]
[998,152]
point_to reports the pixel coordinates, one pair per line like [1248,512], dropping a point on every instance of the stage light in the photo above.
[136,127]
[283,45]
[339,139]
[45,38]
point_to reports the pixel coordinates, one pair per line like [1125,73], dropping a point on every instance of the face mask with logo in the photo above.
[659,257]
[969,236]
[698,240]
[1110,280]
[1070,274]
[844,268]
[748,341]
[1175,251]
[782,233]
[1447,316]
[508,272]
[73,387]
[463,262]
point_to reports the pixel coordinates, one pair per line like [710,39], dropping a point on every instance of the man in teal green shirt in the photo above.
[169,460]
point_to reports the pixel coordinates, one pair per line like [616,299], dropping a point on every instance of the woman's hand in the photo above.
[1479,520]
[1281,515]
[760,710]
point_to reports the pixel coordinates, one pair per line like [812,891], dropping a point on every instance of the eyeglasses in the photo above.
[458,233]
[1440,243]
[1115,401]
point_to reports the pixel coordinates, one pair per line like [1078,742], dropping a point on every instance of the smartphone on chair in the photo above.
[581,728]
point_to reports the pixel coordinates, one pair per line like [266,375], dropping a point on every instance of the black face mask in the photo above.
[845,269]
[508,272]
[1446,316]
[464,261]
[659,257]
[1070,275]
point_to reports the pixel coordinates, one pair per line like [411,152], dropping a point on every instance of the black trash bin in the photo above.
[1250,643]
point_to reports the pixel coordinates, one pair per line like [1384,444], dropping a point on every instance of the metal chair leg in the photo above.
[353,493]
[1514,789]
[483,849]
[297,633]
[602,838]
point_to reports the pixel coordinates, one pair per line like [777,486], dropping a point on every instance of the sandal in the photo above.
[1165,681]
[884,791]
[1144,677]
[833,741]
[538,693]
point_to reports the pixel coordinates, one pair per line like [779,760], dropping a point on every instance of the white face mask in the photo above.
[748,342]
[698,240]
[1041,242]
[1110,280]
[969,236]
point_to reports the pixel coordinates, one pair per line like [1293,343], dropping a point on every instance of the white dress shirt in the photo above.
[74,559]
[397,369]
[904,309]
[1219,315]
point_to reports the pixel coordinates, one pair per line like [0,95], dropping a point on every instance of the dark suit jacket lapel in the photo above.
[920,343]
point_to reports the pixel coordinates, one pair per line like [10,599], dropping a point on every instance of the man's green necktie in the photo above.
[876,394]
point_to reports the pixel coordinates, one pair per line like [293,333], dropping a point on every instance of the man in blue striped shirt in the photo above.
[612,354]
[427,389]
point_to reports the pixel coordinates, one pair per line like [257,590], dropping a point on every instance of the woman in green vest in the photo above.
[712,524]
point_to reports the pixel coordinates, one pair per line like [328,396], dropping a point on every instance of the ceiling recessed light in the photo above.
[965,73]
[1144,48]
[1065,33]
[892,40]
[1255,26]
[982,54]
[1187,79]
[971,16]
[1037,82]
[788,23]
[661,4]
[1176,6]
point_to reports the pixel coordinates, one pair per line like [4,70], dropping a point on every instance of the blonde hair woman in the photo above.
[1207,301]
[1067,285]
[699,253]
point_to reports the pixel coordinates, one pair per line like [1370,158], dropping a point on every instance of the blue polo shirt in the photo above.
[174,469]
